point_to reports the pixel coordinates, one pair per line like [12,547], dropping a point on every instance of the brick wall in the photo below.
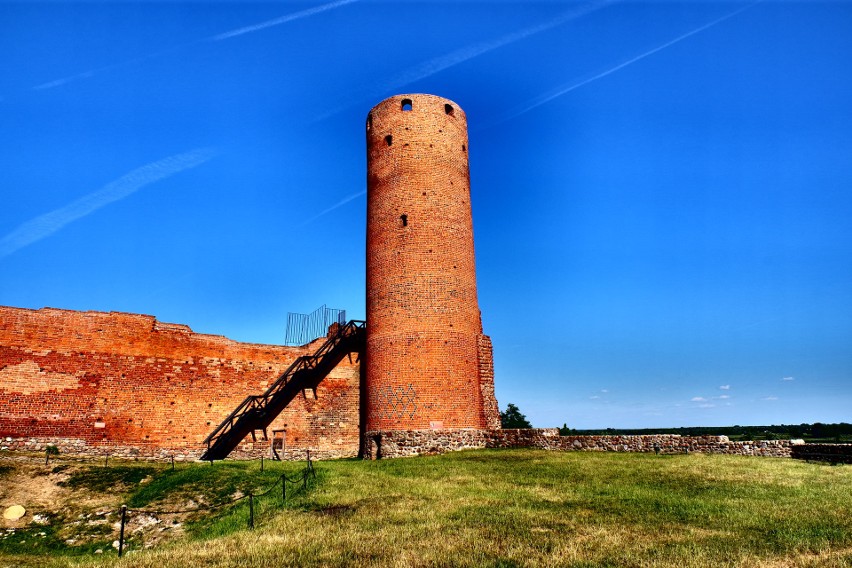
[127,383]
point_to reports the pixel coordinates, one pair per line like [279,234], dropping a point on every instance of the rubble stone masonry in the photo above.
[402,443]
[127,384]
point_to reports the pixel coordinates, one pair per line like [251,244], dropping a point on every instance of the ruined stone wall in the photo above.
[549,438]
[833,453]
[94,382]
[490,409]
[402,443]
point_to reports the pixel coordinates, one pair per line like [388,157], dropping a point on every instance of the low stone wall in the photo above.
[76,447]
[664,443]
[401,443]
[80,448]
[404,443]
[832,453]
[248,451]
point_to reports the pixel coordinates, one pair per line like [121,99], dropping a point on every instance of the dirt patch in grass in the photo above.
[36,488]
[108,479]
[335,510]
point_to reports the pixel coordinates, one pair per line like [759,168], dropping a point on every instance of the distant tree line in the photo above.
[840,432]
[512,417]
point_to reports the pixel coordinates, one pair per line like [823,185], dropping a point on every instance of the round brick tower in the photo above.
[424,333]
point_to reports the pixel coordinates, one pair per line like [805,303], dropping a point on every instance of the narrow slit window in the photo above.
[404,219]
[406,105]
[389,139]
[448,109]
[464,148]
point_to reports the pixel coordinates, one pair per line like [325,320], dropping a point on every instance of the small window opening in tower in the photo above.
[389,139]
[464,148]
[404,219]
[406,104]
[448,109]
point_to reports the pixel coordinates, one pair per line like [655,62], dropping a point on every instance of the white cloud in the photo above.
[45,225]
[707,405]
[594,397]
[788,379]
[725,387]
[697,399]
[769,398]
[724,396]
[604,390]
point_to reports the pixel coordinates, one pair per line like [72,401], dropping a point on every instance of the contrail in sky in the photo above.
[218,37]
[438,64]
[47,224]
[559,91]
[340,203]
[453,58]
[469,52]
[92,72]
[281,20]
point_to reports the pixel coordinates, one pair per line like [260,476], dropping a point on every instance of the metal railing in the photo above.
[304,328]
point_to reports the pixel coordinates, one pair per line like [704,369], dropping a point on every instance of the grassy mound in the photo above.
[490,508]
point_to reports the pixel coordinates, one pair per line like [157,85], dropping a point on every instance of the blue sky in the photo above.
[662,191]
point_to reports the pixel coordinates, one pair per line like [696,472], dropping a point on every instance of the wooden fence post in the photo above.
[121,533]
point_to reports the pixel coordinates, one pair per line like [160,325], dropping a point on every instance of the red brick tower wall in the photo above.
[424,327]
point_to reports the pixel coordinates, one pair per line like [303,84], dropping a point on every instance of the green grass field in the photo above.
[475,508]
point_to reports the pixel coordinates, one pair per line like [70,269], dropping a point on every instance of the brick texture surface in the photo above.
[427,360]
[117,382]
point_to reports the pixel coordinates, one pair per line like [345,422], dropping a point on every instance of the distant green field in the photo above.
[477,508]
